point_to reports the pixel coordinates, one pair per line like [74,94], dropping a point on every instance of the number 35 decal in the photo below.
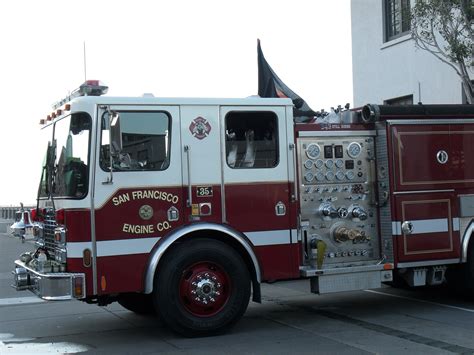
[204,191]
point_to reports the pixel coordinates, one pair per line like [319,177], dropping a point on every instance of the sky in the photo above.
[169,48]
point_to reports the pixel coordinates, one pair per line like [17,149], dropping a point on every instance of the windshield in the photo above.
[66,164]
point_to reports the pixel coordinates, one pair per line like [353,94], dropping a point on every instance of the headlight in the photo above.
[60,255]
[60,235]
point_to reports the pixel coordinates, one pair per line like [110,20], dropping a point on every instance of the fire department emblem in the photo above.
[146,212]
[200,128]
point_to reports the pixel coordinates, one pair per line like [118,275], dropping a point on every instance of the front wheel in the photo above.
[202,287]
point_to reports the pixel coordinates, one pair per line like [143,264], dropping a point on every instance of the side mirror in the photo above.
[115,134]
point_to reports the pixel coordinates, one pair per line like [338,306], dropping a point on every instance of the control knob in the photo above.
[327,210]
[359,213]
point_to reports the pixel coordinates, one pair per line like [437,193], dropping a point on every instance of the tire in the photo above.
[470,268]
[139,303]
[202,288]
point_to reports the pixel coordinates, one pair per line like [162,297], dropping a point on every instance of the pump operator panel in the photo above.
[336,180]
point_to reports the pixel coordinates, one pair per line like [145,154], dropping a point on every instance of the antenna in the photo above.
[419,93]
[85,68]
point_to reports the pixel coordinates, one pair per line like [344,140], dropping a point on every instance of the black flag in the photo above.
[270,85]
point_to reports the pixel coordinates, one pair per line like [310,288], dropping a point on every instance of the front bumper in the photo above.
[49,286]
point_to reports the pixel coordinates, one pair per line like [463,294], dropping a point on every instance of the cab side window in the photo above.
[140,142]
[251,139]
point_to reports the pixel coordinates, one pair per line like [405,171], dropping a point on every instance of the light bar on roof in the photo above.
[88,88]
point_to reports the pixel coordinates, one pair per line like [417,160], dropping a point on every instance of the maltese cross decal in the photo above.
[200,128]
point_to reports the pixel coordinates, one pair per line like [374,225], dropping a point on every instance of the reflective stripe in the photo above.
[145,245]
[396,228]
[270,237]
[422,226]
[114,247]
[456,224]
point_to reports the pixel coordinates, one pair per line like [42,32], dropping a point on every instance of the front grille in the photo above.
[48,232]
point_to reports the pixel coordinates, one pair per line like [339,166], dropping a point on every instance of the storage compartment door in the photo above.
[426,227]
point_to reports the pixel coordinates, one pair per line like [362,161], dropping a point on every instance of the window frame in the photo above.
[390,33]
[42,195]
[399,101]
[276,135]
[170,120]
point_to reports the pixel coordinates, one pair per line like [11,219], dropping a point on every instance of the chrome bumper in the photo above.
[49,286]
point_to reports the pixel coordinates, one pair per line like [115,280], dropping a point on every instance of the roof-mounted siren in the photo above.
[93,88]
[370,113]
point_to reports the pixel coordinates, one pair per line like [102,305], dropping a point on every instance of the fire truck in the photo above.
[183,207]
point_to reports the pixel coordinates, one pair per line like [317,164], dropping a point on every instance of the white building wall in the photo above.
[388,70]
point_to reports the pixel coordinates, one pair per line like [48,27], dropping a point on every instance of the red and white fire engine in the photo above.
[185,206]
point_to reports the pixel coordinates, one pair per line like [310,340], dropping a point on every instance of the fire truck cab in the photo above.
[185,206]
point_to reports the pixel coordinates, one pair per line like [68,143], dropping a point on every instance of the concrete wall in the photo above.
[388,70]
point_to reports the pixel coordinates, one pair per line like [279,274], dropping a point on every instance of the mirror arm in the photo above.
[110,179]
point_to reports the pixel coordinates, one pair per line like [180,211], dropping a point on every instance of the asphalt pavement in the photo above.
[290,320]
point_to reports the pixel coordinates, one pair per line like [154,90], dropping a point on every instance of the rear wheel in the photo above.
[202,288]
[139,303]
[470,268]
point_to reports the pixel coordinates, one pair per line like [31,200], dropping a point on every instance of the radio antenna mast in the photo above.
[85,69]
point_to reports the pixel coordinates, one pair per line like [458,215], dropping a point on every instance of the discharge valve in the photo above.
[327,211]
[359,213]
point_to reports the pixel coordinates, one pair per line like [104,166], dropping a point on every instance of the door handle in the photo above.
[407,227]
[187,150]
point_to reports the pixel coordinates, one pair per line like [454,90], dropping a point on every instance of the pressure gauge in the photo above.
[313,151]
[340,175]
[354,149]
[319,163]
[339,163]
[309,176]
[319,176]
[330,176]
[308,164]
[350,175]
[329,163]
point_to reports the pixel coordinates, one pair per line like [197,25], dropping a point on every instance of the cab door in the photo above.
[256,180]
[139,200]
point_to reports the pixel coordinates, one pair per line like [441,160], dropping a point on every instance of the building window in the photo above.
[400,101]
[251,139]
[397,18]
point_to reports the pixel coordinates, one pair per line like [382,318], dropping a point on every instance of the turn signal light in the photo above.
[87,257]
[388,266]
[78,287]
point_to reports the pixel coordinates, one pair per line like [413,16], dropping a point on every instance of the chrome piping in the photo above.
[92,192]
[337,133]
[223,162]
[157,253]
[294,195]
